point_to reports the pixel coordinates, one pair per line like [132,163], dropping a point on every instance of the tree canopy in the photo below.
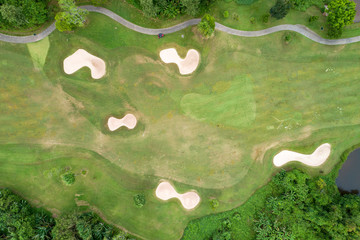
[280,9]
[340,14]
[207,25]
[70,16]
[19,14]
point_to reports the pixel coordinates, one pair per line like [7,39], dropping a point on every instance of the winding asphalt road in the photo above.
[149,31]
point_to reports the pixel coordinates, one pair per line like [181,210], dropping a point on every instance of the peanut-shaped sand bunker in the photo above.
[189,200]
[82,58]
[318,157]
[129,121]
[187,65]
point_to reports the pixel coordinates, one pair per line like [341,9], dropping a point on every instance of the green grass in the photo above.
[305,94]
[234,107]
[38,51]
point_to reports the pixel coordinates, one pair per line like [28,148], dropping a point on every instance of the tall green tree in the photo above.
[207,25]
[70,16]
[340,14]
[280,9]
[191,6]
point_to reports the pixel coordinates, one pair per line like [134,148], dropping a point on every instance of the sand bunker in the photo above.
[129,121]
[82,58]
[189,200]
[315,159]
[187,65]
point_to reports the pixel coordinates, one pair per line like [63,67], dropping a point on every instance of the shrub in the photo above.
[226,14]
[287,37]
[235,16]
[280,9]
[340,14]
[139,200]
[207,25]
[214,203]
[68,178]
[244,2]
[313,19]
[252,20]
[265,18]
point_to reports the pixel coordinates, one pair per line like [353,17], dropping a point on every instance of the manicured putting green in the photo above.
[235,107]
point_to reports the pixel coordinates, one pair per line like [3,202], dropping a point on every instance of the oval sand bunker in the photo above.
[129,121]
[82,58]
[318,157]
[165,191]
[187,65]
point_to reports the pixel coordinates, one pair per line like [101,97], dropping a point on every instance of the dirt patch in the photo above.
[259,150]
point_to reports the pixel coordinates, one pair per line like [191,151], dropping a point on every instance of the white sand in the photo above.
[82,58]
[189,200]
[187,65]
[129,121]
[318,157]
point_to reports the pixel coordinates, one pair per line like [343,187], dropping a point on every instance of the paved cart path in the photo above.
[150,31]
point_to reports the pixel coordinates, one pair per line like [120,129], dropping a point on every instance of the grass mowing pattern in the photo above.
[235,107]
[38,51]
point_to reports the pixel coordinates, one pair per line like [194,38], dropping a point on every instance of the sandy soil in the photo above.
[82,58]
[189,200]
[318,157]
[129,121]
[187,65]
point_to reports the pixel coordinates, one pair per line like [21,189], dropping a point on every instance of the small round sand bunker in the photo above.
[166,191]
[318,157]
[187,65]
[129,121]
[82,58]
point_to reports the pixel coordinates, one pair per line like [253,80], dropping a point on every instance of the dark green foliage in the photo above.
[244,2]
[139,200]
[340,14]
[68,178]
[292,206]
[265,18]
[20,14]
[207,25]
[252,20]
[214,203]
[18,220]
[280,9]
[173,8]
[305,208]
[313,19]
[302,5]
[70,16]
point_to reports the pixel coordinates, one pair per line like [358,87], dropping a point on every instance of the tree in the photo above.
[340,14]
[139,200]
[70,16]
[148,8]
[68,178]
[191,6]
[207,25]
[280,9]
[12,14]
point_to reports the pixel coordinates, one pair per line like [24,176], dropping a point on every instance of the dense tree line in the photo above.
[20,14]
[18,220]
[173,8]
[301,207]
[292,206]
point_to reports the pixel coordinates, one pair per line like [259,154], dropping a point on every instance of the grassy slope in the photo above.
[300,88]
